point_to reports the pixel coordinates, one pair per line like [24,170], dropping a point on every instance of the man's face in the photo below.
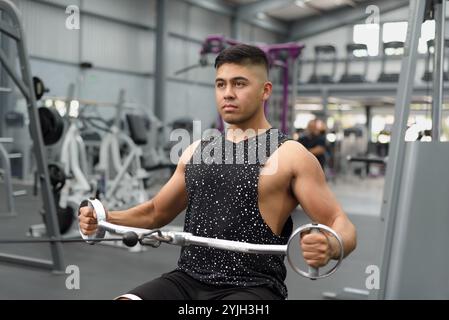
[240,91]
[311,127]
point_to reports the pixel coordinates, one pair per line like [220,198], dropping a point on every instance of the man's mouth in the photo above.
[229,107]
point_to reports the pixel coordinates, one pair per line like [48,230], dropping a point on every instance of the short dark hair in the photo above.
[242,54]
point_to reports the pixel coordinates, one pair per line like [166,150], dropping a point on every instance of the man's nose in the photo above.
[229,93]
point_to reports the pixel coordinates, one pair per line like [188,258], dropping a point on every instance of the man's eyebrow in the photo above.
[233,79]
[239,79]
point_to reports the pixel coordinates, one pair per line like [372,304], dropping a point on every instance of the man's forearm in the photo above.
[346,230]
[318,150]
[140,216]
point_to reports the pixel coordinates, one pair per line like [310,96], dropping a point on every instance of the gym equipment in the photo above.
[392,48]
[5,172]
[353,144]
[39,88]
[57,176]
[67,174]
[145,129]
[415,206]
[74,165]
[368,160]
[11,27]
[121,181]
[282,55]
[428,75]
[351,57]
[66,215]
[155,237]
[52,125]
[138,126]
[324,53]
[213,44]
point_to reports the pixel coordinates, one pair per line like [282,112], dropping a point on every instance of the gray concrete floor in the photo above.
[106,271]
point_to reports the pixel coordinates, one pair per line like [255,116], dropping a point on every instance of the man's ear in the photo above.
[267,90]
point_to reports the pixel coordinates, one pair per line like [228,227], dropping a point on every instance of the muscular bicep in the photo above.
[172,198]
[312,192]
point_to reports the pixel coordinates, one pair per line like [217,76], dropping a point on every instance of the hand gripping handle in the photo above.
[313,273]
[101,216]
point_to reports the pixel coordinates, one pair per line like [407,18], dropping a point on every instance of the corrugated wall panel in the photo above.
[138,11]
[204,23]
[184,54]
[63,2]
[191,101]
[178,17]
[261,35]
[57,77]
[193,51]
[112,45]
[252,34]
[177,55]
[100,85]
[46,32]
[246,32]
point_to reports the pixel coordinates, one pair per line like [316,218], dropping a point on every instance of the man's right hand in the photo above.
[87,220]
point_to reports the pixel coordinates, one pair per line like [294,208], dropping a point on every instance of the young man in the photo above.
[228,196]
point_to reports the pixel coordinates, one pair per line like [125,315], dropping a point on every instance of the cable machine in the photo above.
[415,207]
[11,26]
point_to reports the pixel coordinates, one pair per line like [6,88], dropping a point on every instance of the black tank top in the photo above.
[222,190]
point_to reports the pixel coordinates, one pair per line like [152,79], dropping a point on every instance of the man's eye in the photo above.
[220,85]
[239,84]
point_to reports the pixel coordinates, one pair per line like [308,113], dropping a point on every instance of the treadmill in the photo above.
[323,55]
[428,74]
[353,58]
[392,48]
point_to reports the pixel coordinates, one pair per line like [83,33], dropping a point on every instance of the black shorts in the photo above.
[178,285]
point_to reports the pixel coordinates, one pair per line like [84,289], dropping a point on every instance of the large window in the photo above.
[391,31]
[369,35]
[394,31]
[427,33]
[397,31]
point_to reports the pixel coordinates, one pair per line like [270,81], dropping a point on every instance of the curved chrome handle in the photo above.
[314,272]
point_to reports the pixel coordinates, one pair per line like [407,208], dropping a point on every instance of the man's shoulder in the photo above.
[294,155]
[292,148]
[188,153]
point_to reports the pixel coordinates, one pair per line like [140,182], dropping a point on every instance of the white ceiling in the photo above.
[304,8]
[240,2]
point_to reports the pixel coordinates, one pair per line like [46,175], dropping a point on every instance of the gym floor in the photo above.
[107,271]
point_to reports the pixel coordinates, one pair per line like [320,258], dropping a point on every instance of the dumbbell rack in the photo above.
[11,28]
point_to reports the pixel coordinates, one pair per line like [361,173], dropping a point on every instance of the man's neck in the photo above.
[239,132]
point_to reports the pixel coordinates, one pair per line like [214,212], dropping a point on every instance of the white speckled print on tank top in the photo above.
[223,204]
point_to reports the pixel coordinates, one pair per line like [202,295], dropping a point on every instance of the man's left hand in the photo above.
[317,249]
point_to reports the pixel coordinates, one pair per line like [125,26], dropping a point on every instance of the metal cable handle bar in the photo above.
[155,237]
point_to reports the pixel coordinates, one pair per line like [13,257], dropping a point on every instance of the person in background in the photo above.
[314,140]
